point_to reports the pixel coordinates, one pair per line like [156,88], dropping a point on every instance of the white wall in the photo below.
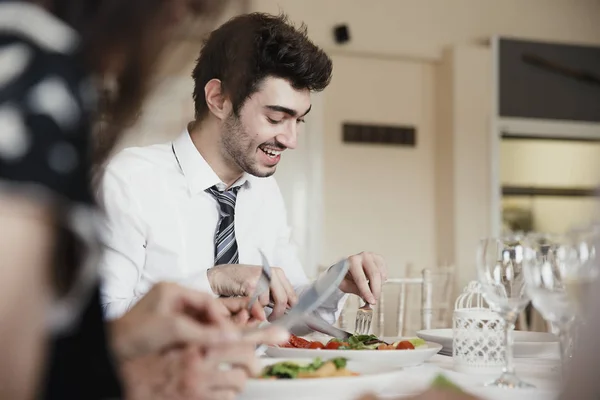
[468,167]
[300,179]
[380,198]
[425,27]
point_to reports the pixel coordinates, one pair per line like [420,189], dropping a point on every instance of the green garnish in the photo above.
[417,342]
[313,366]
[339,362]
[282,370]
[361,342]
[366,338]
[290,370]
[441,382]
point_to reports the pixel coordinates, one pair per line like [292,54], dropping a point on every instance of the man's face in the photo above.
[268,123]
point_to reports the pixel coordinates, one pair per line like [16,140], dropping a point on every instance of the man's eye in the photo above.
[300,121]
[273,121]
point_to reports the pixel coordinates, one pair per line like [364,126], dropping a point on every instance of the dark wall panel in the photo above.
[549,81]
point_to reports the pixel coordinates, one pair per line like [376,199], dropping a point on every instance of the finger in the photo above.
[240,318]
[233,304]
[257,312]
[254,316]
[373,275]
[360,279]
[200,305]
[289,289]
[240,355]
[173,331]
[268,335]
[279,296]
[220,395]
[380,261]
[237,305]
[265,298]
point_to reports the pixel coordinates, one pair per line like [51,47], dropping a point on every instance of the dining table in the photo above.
[543,372]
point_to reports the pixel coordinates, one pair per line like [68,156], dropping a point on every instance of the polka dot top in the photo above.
[46,101]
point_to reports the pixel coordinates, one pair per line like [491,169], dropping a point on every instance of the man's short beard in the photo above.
[237,147]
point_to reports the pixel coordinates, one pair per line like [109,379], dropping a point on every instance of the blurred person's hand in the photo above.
[171,315]
[217,373]
[241,280]
[238,308]
[431,394]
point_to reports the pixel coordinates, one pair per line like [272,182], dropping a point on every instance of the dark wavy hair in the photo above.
[248,48]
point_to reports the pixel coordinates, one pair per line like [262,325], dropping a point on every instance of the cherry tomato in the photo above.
[316,345]
[333,345]
[299,342]
[405,345]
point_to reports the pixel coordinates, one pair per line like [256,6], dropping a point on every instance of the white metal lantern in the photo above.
[478,333]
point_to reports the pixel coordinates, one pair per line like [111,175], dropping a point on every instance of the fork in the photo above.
[364,316]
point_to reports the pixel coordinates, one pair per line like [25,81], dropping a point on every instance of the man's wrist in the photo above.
[211,275]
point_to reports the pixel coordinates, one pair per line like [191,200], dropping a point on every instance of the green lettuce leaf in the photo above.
[441,382]
[417,342]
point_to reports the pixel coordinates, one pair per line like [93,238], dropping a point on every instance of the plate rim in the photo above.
[420,349]
[427,332]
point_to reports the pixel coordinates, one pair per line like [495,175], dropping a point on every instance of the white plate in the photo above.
[396,358]
[373,378]
[527,344]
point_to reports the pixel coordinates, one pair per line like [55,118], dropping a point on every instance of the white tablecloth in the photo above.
[543,373]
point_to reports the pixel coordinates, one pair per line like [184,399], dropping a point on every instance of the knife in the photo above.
[318,324]
[315,295]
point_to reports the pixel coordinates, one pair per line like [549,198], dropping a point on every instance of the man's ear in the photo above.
[216,100]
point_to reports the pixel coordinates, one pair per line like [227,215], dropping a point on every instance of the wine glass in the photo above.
[500,273]
[548,259]
[582,270]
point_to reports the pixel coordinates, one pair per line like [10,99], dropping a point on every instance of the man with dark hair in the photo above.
[199,210]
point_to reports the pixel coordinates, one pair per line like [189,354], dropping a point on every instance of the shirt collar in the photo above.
[38,25]
[198,173]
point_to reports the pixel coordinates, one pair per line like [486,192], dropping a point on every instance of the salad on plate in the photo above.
[354,342]
[318,368]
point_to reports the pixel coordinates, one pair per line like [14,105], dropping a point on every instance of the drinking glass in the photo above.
[548,259]
[582,269]
[500,273]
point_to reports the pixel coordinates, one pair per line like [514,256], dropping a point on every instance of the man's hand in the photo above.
[171,315]
[365,277]
[238,308]
[241,280]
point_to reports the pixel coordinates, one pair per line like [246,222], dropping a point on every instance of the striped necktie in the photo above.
[226,250]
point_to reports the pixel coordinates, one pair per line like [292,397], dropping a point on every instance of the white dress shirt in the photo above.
[160,224]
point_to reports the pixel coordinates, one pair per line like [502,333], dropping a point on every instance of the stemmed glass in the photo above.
[547,262]
[583,269]
[500,273]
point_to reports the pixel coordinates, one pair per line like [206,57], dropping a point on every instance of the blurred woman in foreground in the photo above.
[54,54]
